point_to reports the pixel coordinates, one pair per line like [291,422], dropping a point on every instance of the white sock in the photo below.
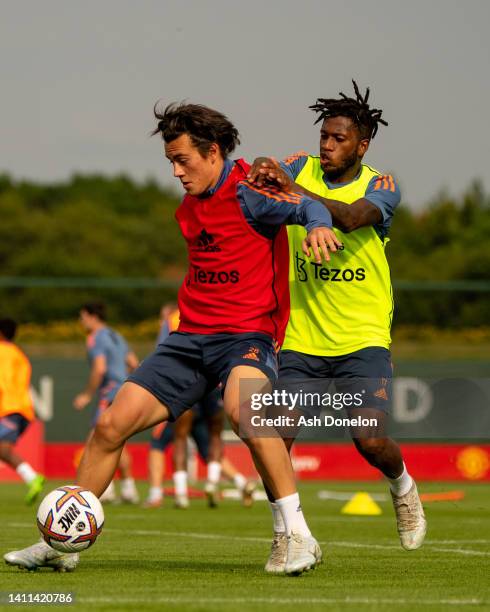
[110,492]
[25,471]
[180,482]
[292,515]
[155,494]
[401,485]
[214,471]
[277,520]
[240,481]
[128,486]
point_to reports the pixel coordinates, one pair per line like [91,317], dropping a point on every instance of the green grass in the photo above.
[202,559]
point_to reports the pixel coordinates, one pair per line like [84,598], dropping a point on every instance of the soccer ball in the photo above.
[70,518]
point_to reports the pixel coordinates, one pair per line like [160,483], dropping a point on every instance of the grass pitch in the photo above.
[203,559]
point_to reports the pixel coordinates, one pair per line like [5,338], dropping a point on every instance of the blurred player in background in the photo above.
[204,423]
[110,362]
[16,408]
[340,321]
[162,436]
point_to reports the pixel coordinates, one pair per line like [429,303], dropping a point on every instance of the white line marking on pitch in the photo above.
[215,536]
[283,601]
[340,544]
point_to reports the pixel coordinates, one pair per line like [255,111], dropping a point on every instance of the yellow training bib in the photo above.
[347,304]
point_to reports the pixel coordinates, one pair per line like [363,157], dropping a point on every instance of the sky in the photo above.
[79,81]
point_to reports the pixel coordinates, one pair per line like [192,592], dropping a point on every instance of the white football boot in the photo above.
[129,493]
[109,496]
[181,501]
[248,493]
[410,518]
[304,553]
[212,494]
[42,555]
[276,562]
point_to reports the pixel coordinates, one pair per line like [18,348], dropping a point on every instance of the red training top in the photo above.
[238,279]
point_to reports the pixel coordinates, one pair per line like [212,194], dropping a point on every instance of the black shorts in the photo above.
[12,426]
[368,371]
[186,367]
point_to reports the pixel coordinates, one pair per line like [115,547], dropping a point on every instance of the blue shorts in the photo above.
[369,370]
[209,406]
[105,399]
[163,435]
[186,367]
[212,404]
[12,427]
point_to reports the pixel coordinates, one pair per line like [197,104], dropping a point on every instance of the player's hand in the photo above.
[321,240]
[268,170]
[81,400]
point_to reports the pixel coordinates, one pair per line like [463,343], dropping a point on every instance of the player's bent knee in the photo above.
[370,446]
[106,432]
[5,452]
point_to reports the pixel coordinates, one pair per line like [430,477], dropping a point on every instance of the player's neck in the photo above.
[220,165]
[97,326]
[348,176]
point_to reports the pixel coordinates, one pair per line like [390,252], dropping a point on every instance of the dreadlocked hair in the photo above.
[357,109]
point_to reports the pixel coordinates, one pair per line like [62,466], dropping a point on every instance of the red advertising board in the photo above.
[31,448]
[314,461]
[469,462]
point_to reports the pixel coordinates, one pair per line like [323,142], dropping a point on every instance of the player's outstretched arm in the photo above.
[132,361]
[346,217]
[349,217]
[272,206]
[97,372]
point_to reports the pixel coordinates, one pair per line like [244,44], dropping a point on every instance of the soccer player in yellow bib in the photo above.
[341,312]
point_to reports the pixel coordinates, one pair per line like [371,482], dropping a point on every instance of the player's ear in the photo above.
[362,147]
[214,152]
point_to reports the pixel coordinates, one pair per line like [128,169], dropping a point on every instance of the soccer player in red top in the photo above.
[234,306]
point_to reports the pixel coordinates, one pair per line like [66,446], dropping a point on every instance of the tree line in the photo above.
[97,226]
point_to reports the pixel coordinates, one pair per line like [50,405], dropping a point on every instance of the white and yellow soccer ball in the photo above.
[70,518]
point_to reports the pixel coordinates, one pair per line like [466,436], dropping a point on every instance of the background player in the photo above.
[204,423]
[340,320]
[110,362]
[162,437]
[16,408]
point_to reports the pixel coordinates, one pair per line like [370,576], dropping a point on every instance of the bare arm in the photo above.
[99,368]
[349,217]
[132,361]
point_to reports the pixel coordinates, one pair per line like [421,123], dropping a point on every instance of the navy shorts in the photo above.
[105,399]
[368,370]
[12,427]
[186,367]
[212,404]
[163,436]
